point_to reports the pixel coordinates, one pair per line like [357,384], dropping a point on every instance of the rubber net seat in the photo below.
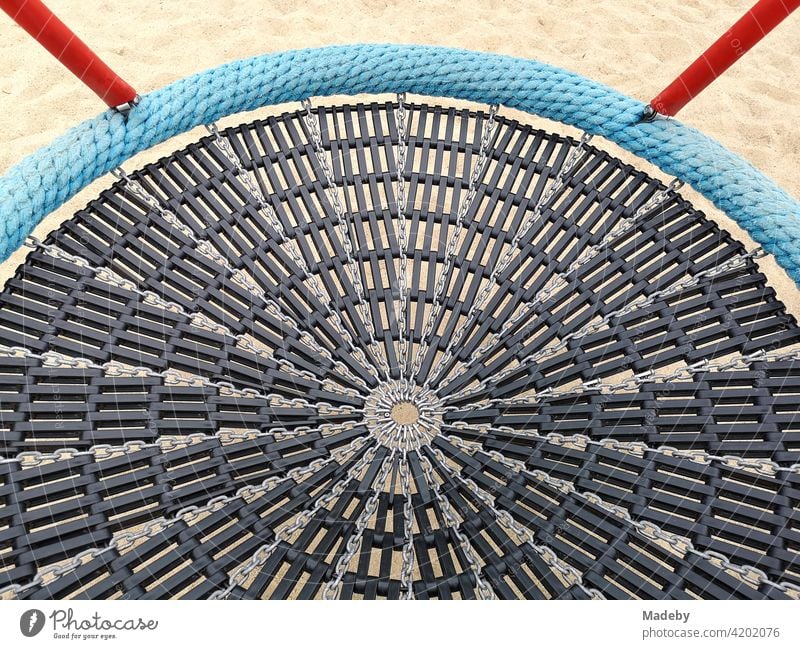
[394,350]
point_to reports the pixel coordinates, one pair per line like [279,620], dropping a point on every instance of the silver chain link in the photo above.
[484,589]
[407,568]
[124,540]
[332,589]
[173,377]
[680,545]
[294,252]
[761,466]
[506,519]
[202,321]
[402,274]
[263,553]
[167,443]
[348,240]
[635,382]
[487,134]
[733,263]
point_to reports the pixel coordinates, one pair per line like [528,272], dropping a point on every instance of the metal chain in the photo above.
[487,134]
[544,200]
[407,568]
[484,589]
[124,540]
[593,327]
[761,466]
[173,377]
[263,553]
[677,543]
[402,274]
[311,120]
[293,249]
[332,589]
[167,443]
[206,248]
[635,382]
[557,184]
[554,284]
[506,519]
[202,321]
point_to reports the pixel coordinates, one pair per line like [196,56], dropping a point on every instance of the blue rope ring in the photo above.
[45,180]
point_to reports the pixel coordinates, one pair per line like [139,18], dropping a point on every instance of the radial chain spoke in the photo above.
[739,261]
[402,271]
[507,520]
[484,589]
[477,305]
[557,282]
[635,382]
[115,368]
[125,540]
[761,466]
[679,545]
[442,281]
[332,589]
[301,520]
[407,568]
[348,240]
[331,311]
[167,443]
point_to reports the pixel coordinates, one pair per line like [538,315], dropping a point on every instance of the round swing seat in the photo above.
[396,350]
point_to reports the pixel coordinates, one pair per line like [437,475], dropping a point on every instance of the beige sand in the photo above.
[633,46]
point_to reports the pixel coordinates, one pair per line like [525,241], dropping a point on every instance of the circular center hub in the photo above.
[405,413]
[402,415]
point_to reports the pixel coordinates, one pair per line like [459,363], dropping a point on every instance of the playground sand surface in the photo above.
[634,46]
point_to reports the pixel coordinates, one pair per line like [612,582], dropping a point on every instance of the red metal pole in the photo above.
[36,19]
[764,16]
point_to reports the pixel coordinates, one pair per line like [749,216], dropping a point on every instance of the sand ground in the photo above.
[635,46]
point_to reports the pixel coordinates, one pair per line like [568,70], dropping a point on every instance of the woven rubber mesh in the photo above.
[517,369]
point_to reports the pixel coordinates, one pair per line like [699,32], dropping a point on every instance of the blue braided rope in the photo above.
[45,180]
